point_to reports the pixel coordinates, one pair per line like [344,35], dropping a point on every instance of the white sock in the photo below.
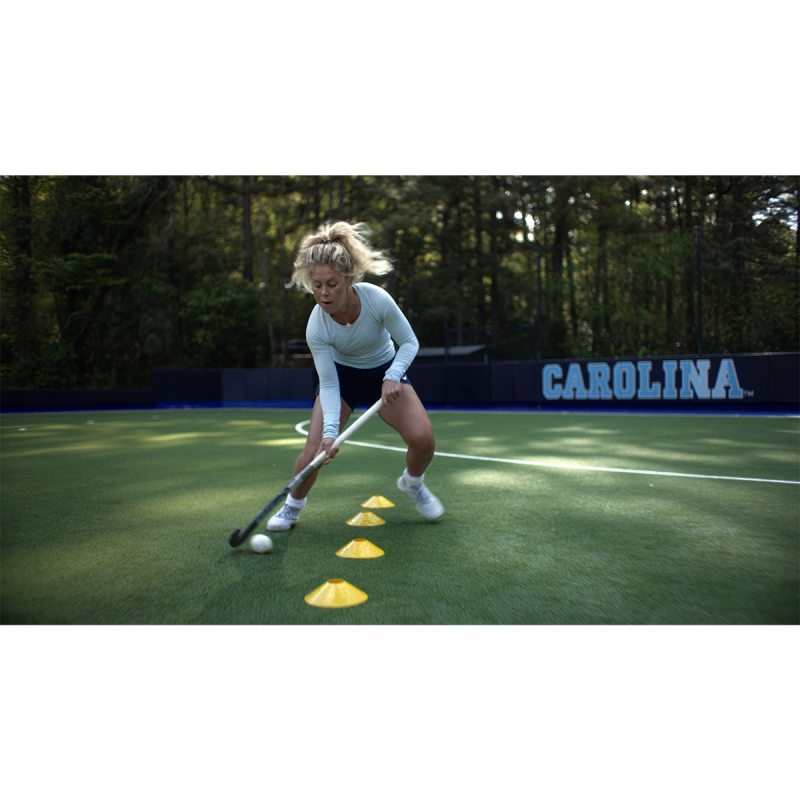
[293,502]
[412,480]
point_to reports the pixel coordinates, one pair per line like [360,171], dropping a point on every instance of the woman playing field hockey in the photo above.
[352,332]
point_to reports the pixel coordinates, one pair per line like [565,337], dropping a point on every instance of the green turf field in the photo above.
[122,518]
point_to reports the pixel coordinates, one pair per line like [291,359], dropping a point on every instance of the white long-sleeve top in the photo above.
[365,344]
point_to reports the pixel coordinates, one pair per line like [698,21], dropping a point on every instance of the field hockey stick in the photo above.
[239,535]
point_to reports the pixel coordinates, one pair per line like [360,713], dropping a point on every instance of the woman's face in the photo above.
[330,288]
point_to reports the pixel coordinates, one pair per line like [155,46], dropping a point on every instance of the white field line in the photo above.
[300,428]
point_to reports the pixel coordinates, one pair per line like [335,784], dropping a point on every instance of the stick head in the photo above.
[236,538]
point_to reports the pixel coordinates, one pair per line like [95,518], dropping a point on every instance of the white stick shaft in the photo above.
[354,426]
[343,436]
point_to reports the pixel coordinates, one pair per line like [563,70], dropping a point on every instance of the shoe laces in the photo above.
[421,493]
[290,513]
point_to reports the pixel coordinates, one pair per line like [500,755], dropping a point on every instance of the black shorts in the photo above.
[361,387]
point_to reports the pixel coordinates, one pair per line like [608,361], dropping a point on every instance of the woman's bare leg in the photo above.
[409,418]
[312,446]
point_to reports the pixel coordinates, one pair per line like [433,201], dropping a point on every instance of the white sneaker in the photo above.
[285,519]
[427,503]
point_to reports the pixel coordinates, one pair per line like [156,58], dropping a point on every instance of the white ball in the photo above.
[260,543]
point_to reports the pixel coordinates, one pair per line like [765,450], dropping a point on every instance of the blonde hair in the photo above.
[344,247]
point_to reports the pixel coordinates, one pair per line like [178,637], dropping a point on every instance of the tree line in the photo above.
[103,278]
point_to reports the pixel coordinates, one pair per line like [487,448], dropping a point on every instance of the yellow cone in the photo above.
[359,548]
[377,501]
[335,593]
[365,519]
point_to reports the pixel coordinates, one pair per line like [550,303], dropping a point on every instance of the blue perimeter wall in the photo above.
[727,383]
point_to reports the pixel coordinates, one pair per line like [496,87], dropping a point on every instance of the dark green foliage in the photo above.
[105,278]
[224,320]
